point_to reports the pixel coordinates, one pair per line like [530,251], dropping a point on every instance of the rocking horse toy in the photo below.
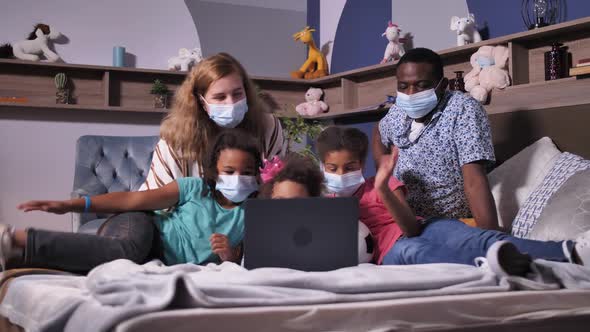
[316,65]
[33,46]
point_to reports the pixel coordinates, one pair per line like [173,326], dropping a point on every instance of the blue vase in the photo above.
[119,56]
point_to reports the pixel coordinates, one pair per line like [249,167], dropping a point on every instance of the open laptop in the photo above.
[309,234]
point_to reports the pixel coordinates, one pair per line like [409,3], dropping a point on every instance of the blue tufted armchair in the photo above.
[108,164]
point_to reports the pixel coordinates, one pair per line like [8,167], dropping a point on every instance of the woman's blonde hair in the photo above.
[188,129]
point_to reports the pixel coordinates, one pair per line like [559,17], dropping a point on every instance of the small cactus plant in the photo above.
[60,81]
[62,96]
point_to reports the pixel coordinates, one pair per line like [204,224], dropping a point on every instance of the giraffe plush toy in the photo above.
[316,65]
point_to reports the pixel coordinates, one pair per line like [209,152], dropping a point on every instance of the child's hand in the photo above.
[221,247]
[57,207]
[386,167]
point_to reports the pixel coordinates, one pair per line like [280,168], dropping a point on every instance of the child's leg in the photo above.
[455,234]
[417,250]
[128,236]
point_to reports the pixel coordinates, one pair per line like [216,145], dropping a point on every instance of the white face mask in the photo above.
[236,188]
[227,115]
[419,104]
[346,184]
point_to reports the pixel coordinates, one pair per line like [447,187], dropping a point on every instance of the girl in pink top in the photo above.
[403,238]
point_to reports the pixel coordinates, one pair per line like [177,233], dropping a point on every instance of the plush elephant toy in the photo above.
[466,31]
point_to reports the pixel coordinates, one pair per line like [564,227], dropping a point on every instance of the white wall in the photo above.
[259,37]
[429,21]
[152,30]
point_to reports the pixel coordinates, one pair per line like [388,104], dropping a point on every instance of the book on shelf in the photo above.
[585,70]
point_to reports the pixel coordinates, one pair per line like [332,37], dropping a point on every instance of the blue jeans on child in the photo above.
[451,241]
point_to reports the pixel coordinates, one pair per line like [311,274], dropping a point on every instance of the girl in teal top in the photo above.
[207,222]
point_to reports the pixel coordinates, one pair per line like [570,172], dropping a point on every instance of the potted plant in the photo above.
[298,129]
[160,92]
[62,96]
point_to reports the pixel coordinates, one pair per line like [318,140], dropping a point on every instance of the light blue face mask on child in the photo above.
[227,115]
[236,188]
[419,104]
[344,185]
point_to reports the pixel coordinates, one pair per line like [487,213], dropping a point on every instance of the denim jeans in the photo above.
[128,235]
[451,241]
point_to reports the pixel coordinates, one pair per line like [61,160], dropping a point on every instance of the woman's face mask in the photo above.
[345,184]
[236,188]
[227,115]
[418,105]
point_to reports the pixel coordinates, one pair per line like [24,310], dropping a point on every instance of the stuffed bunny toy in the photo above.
[466,31]
[313,105]
[185,59]
[489,71]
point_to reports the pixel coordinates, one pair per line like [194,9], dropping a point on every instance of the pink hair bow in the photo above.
[270,168]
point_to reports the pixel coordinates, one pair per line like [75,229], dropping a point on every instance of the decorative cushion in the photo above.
[567,212]
[566,165]
[513,181]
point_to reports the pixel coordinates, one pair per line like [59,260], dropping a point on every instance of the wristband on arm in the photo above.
[86,203]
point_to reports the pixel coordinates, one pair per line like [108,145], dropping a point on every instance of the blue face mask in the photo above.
[227,115]
[236,188]
[344,185]
[484,61]
[418,105]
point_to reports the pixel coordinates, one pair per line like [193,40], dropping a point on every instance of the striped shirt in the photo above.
[166,166]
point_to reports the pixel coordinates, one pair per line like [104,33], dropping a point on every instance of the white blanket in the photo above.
[119,290]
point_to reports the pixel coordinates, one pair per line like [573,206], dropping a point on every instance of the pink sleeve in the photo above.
[394,184]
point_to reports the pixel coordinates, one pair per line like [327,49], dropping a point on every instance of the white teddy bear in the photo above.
[313,105]
[466,31]
[185,59]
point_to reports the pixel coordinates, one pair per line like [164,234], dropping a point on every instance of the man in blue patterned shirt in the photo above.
[444,141]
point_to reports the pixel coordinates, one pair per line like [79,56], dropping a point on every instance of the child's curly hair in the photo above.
[298,169]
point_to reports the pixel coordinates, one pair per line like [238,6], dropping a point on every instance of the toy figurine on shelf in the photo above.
[313,105]
[316,64]
[394,49]
[466,30]
[33,46]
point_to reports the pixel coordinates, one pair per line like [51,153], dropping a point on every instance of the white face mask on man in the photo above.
[344,185]
[419,104]
[227,115]
[236,188]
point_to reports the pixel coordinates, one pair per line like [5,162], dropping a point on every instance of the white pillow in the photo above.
[512,182]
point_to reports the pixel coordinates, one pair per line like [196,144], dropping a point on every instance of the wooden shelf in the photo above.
[349,93]
[26,106]
[564,92]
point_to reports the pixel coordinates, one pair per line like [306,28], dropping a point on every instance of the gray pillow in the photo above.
[567,212]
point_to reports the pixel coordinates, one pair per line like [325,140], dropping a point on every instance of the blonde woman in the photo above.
[216,94]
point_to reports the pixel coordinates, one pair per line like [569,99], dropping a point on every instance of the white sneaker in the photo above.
[504,259]
[582,248]
[5,245]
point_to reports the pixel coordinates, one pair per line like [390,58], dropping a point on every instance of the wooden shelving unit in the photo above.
[349,94]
